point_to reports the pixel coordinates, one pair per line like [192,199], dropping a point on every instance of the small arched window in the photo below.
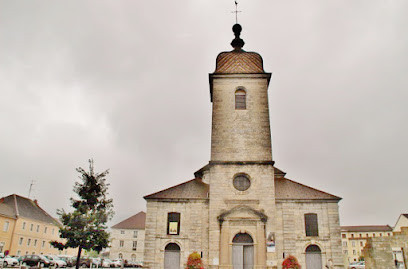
[240,99]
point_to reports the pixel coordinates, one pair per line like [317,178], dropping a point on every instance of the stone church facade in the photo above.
[239,210]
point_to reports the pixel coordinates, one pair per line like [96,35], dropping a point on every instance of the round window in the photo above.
[241,182]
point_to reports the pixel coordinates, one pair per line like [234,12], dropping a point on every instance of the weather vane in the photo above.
[236,12]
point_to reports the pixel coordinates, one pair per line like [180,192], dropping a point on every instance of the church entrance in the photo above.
[243,251]
[313,257]
[172,256]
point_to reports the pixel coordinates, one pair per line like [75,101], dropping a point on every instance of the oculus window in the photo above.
[241,182]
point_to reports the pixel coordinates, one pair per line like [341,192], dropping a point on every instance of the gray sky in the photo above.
[126,83]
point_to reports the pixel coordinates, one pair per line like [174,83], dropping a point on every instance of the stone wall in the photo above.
[378,251]
[193,230]
[292,239]
[240,135]
[224,197]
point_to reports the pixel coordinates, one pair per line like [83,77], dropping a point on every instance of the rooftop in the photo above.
[15,206]
[285,189]
[366,228]
[134,222]
[238,61]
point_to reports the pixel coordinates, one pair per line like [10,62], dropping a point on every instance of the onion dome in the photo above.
[238,61]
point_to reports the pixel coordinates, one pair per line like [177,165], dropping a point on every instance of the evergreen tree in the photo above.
[85,227]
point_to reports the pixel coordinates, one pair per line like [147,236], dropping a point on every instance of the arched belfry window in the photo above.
[240,99]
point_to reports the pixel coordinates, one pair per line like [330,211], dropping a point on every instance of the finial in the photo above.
[236,12]
[237,43]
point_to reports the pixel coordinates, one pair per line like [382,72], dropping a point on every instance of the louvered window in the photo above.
[240,99]
[311,225]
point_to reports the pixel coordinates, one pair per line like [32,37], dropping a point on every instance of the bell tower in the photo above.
[240,173]
[240,115]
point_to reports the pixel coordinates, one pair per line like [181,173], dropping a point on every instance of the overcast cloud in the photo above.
[126,83]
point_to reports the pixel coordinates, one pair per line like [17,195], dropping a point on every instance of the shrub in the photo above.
[290,263]
[194,261]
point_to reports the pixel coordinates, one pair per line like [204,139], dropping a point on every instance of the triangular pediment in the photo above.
[242,212]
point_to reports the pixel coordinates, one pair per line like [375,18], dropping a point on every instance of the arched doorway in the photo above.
[172,256]
[242,251]
[313,257]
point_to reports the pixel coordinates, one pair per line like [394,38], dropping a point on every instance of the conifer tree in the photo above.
[85,227]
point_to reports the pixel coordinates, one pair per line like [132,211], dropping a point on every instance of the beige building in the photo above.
[401,222]
[387,252]
[127,239]
[240,211]
[27,228]
[354,239]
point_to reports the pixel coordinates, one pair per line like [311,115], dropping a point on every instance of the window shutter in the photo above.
[240,99]
[311,225]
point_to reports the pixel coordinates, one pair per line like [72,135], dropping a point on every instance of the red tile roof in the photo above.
[285,189]
[366,228]
[134,222]
[239,62]
[192,189]
[15,206]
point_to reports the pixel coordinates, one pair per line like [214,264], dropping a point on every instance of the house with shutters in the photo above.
[240,210]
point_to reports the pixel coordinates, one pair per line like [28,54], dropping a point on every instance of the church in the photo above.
[240,211]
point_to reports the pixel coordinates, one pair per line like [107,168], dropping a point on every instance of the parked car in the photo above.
[89,262]
[85,262]
[132,264]
[106,263]
[116,263]
[56,261]
[96,262]
[34,260]
[71,261]
[10,261]
[357,265]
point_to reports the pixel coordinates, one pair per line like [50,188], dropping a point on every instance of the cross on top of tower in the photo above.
[236,12]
